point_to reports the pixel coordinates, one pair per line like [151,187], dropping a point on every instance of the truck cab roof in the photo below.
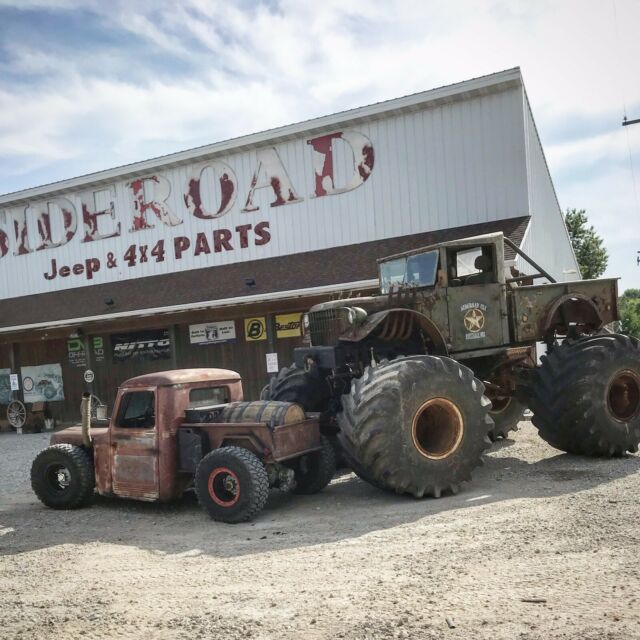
[181,376]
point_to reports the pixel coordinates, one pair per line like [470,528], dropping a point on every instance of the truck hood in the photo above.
[73,435]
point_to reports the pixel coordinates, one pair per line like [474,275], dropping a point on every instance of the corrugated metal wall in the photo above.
[446,166]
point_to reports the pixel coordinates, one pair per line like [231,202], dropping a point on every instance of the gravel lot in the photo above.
[352,562]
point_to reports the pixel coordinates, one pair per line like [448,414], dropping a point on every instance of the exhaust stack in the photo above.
[85,412]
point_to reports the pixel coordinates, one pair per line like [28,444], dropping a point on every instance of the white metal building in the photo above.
[273,220]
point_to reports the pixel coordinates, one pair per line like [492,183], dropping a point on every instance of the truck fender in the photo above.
[398,324]
[571,308]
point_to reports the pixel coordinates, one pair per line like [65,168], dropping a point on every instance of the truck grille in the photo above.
[327,325]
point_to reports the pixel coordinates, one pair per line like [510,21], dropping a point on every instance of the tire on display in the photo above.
[62,476]
[585,396]
[506,413]
[306,388]
[312,393]
[314,471]
[231,484]
[416,425]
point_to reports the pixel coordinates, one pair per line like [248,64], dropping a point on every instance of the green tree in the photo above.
[629,304]
[587,244]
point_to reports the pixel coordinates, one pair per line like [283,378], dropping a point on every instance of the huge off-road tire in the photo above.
[314,471]
[62,476]
[585,396]
[231,484]
[416,425]
[506,413]
[306,388]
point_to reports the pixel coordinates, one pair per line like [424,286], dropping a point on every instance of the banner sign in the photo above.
[255,329]
[5,386]
[212,332]
[42,383]
[76,353]
[98,349]
[272,362]
[209,212]
[142,345]
[288,325]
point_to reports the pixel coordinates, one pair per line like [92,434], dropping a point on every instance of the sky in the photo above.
[89,85]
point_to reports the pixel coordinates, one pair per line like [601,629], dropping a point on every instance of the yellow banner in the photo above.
[255,329]
[288,325]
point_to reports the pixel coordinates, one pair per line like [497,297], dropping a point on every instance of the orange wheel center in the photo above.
[437,429]
[224,487]
[623,396]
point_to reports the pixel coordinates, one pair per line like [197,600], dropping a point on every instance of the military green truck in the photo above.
[415,381]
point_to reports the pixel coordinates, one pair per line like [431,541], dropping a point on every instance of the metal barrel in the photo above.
[270,412]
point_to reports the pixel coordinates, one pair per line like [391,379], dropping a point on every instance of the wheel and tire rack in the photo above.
[585,396]
[16,414]
[231,484]
[314,471]
[62,476]
[416,425]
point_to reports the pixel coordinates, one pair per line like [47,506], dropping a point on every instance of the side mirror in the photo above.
[101,412]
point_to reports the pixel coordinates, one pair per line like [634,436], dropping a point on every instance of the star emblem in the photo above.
[474,320]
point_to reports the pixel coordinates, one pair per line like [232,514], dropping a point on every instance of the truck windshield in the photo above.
[419,270]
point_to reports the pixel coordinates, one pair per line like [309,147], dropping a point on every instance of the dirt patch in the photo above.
[351,562]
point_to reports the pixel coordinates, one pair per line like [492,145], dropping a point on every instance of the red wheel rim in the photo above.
[224,487]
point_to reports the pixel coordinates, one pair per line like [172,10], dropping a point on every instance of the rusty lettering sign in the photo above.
[214,211]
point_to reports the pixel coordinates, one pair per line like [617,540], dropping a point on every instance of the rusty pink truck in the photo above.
[177,430]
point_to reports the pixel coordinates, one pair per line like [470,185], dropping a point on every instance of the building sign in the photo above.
[142,345]
[212,332]
[5,386]
[98,349]
[76,353]
[214,211]
[42,383]
[255,329]
[288,325]
[272,362]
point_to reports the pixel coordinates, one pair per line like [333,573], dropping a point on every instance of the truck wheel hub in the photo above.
[624,395]
[437,429]
[59,477]
[224,487]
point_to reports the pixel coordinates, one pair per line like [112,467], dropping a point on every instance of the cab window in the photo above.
[469,266]
[417,270]
[137,410]
[208,396]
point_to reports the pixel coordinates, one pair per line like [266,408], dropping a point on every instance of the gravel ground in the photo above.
[540,545]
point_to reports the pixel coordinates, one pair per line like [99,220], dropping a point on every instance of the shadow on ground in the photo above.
[347,509]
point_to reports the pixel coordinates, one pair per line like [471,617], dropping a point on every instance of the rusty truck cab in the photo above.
[136,456]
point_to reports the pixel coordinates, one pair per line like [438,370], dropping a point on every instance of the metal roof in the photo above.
[182,376]
[449,93]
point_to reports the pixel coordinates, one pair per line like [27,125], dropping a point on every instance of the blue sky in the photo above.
[90,85]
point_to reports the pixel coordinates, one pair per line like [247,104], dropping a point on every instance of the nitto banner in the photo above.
[212,332]
[288,325]
[143,345]
[42,383]
[5,386]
